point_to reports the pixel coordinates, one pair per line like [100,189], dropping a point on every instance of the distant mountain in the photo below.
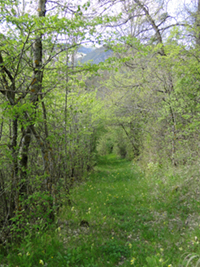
[85,50]
[96,55]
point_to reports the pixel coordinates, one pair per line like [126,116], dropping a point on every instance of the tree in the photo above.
[155,63]
[32,74]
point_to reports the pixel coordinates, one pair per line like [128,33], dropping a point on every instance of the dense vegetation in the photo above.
[59,113]
[119,217]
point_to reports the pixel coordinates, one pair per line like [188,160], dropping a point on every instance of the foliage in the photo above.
[49,120]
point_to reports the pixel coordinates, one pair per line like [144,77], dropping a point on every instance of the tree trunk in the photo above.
[36,90]
[169,85]
[197,26]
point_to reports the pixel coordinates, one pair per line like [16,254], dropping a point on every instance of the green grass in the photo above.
[134,220]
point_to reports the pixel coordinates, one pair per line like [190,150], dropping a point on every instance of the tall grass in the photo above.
[120,216]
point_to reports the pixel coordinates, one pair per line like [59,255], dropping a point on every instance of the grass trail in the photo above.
[133,221]
[118,218]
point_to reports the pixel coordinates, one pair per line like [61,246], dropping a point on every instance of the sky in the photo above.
[174,6]
[177,5]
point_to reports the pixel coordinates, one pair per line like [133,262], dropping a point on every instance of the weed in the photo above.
[133,220]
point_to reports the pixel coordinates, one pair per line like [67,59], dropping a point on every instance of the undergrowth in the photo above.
[120,217]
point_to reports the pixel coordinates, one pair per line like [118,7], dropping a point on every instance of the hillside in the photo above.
[95,56]
[85,50]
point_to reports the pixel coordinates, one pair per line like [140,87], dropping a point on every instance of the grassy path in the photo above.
[118,218]
[133,221]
